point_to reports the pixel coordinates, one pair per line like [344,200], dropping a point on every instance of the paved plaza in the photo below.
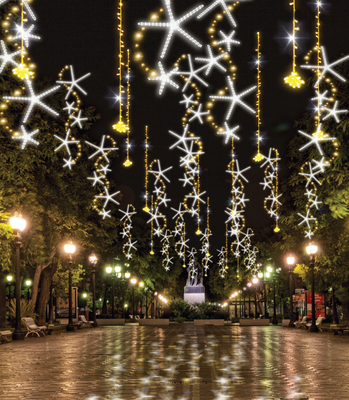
[177,362]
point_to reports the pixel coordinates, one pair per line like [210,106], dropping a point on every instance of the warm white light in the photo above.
[249,284]
[28,282]
[255,280]
[311,249]
[290,260]
[69,248]
[93,259]
[9,278]
[117,269]
[17,222]
[133,281]
[269,269]
[141,284]
[127,275]
[260,275]
[109,270]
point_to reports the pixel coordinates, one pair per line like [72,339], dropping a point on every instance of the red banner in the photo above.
[319,305]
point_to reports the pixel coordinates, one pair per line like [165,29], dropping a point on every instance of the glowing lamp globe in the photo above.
[141,284]
[260,274]
[311,249]
[267,274]
[93,259]
[17,222]
[290,260]
[117,269]
[269,269]
[84,295]
[127,275]
[69,248]
[249,284]
[9,278]
[133,281]
[255,280]
[125,305]
[28,282]
[225,304]
[109,270]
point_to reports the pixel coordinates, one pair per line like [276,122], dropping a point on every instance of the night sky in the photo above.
[84,33]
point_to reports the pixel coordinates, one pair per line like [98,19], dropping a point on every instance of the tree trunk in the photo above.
[345,303]
[46,278]
[334,308]
[2,301]
[104,307]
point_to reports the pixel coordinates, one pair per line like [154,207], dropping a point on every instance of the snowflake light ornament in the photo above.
[192,74]
[211,61]
[164,78]
[25,34]
[78,120]
[229,133]
[6,57]
[26,137]
[223,4]
[173,25]
[34,100]
[74,82]
[198,114]
[238,173]
[65,142]
[315,139]
[334,112]
[101,149]
[228,40]
[108,197]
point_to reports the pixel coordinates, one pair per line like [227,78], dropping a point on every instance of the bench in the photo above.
[339,328]
[302,323]
[5,336]
[318,323]
[209,322]
[84,321]
[33,328]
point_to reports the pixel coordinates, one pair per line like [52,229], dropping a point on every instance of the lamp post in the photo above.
[110,272]
[264,276]
[312,250]
[274,276]
[255,281]
[70,249]
[93,260]
[28,283]
[249,284]
[9,279]
[18,224]
[146,302]
[133,281]
[290,262]
[244,289]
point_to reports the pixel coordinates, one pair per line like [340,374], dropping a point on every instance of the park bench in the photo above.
[84,321]
[33,328]
[5,336]
[302,323]
[318,323]
[339,327]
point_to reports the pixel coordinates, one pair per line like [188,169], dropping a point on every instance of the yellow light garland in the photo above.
[258,157]
[128,162]
[146,208]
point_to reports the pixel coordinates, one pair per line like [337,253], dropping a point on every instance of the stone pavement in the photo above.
[177,362]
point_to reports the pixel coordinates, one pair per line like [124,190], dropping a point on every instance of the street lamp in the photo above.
[93,260]
[255,281]
[133,282]
[290,262]
[28,283]
[264,276]
[249,284]
[274,276]
[312,250]
[18,224]
[69,248]
[9,279]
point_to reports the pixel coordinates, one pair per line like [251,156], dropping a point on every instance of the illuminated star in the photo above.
[191,74]
[160,173]
[105,213]
[189,158]
[316,138]
[265,184]
[242,200]
[101,149]
[33,100]
[70,107]
[108,197]
[127,213]
[68,163]
[183,139]
[104,169]
[26,137]
[25,34]
[155,216]
[186,180]
[179,212]
[238,174]
[78,120]
[306,219]
[187,100]
[228,40]
[7,57]
[211,61]
[334,112]
[74,82]
[314,203]
[164,200]
[274,199]
[96,179]
[229,132]
[196,197]
[224,6]
[311,176]
[197,114]
[157,190]
[131,244]
[321,165]
[65,142]
[164,78]
[173,25]
[309,234]
[269,159]
[326,68]
[320,97]
[235,98]
[309,193]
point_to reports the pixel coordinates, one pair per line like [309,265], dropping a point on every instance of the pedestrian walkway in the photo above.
[177,363]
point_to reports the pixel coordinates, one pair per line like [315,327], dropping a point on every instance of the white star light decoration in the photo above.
[164,78]
[315,139]
[223,4]
[192,74]
[108,197]
[34,100]
[228,40]
[101,149]
[238,174]
[235,98]
[26,137]
[160,174]
[229,133]
[6,57]
[73,84]
[127,226]
[65,142]
[198,114]
[25,34]
[173,25]
[212,61]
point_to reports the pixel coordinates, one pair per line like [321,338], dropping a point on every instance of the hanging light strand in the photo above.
[258,156]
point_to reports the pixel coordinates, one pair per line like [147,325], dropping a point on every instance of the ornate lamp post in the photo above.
[255,281]
[28,283]
[70,249]
[264,276]
[9,279]
[249,284]
[113,275]
[18,224]
[274,276]
[93,260]
[290,262]
[133,282]
[312,250]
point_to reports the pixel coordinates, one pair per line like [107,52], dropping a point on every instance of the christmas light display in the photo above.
[294,80]
[73,83]
[127,226]
[228,40]
[26,137]
[212,61]
[8,58]
[101,149]
[164,78]
[221,3]
[173,26]
[258,157]
[65,142]
[191,74]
